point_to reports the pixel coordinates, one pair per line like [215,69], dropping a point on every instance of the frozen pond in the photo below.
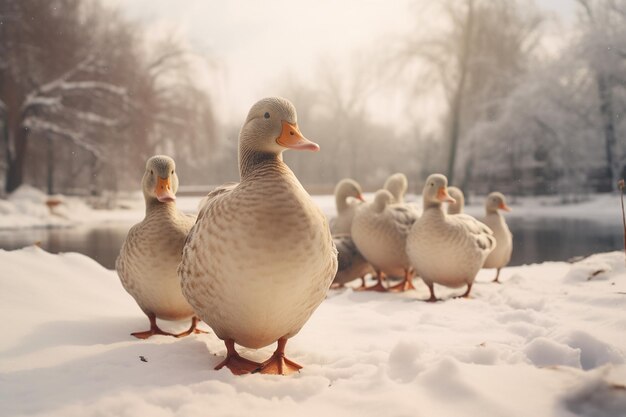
[536,239]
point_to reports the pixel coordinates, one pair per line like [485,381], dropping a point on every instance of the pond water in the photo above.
[535,240]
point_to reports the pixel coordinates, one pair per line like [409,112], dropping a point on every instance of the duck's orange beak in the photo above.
[360,197]
[504,207]
[443,196]
[164,190]
[290,137]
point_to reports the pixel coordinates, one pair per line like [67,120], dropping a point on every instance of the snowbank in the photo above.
[548,342]
[29,207]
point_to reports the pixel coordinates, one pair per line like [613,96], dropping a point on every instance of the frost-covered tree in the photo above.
[602,45]
[53,84]
[560,130]
[78,77]
[474,54]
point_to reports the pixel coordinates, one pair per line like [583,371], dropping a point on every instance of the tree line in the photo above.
[83,98]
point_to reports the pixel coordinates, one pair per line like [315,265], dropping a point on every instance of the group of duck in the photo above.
[391,238]
[259,257]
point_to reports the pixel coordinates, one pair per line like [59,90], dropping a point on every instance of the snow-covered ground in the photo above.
[549,341]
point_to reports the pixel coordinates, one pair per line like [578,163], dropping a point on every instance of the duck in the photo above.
[397,184]
[352,264]
[347,187]
[443,249]
[459,201]
[379,230]
[149,256]
[260,258]
[501,255]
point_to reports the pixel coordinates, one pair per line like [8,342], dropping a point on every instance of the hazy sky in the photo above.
[256,43]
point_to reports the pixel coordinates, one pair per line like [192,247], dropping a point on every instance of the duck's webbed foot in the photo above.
[238,365]
[154,329]
[466,294]
[379,286]
[192,329]
[278,364]
[406,284]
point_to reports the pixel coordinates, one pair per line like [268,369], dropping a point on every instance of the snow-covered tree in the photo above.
[474,54]
[77,76]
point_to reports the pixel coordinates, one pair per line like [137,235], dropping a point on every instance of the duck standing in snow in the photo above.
[346,188]
[447,250]
[152,250]
[397,184]
[260,258]
[352,264]
[379,230]
[459,201]
[348,196]
[501,255]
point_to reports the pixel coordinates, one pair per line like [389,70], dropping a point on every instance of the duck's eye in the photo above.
[151,172]
[432,184]
[266,115]
[172,173]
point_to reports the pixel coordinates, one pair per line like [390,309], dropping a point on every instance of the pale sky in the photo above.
[256,43]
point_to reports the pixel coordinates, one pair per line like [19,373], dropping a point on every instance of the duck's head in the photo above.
[397,185]
[160,181]
[496,201]
[457,194]
[347,188]
[271,127]
[381,199]
[436,191]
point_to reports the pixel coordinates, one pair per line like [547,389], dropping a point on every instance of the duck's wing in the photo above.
[479,231]
[128,247]
[220,190]
[347,251]
[206,203]
[403,217]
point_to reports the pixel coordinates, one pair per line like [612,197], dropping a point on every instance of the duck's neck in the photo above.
[341,203]
[155,207]
[252,162]
[433,207]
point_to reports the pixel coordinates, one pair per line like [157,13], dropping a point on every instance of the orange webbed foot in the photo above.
[376,287]
[278,364]
[238,365]
[192,329]
[154,329]
[151,332]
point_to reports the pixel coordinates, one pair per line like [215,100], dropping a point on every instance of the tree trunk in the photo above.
[15,171]
[457,99]
[608,127]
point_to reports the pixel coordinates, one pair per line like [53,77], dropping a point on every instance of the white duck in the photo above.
[447,250]
[342,224]
[352,264]
[397,184]
[459,201]
[379,230]
[260,258]
[152,250]
[501,255]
